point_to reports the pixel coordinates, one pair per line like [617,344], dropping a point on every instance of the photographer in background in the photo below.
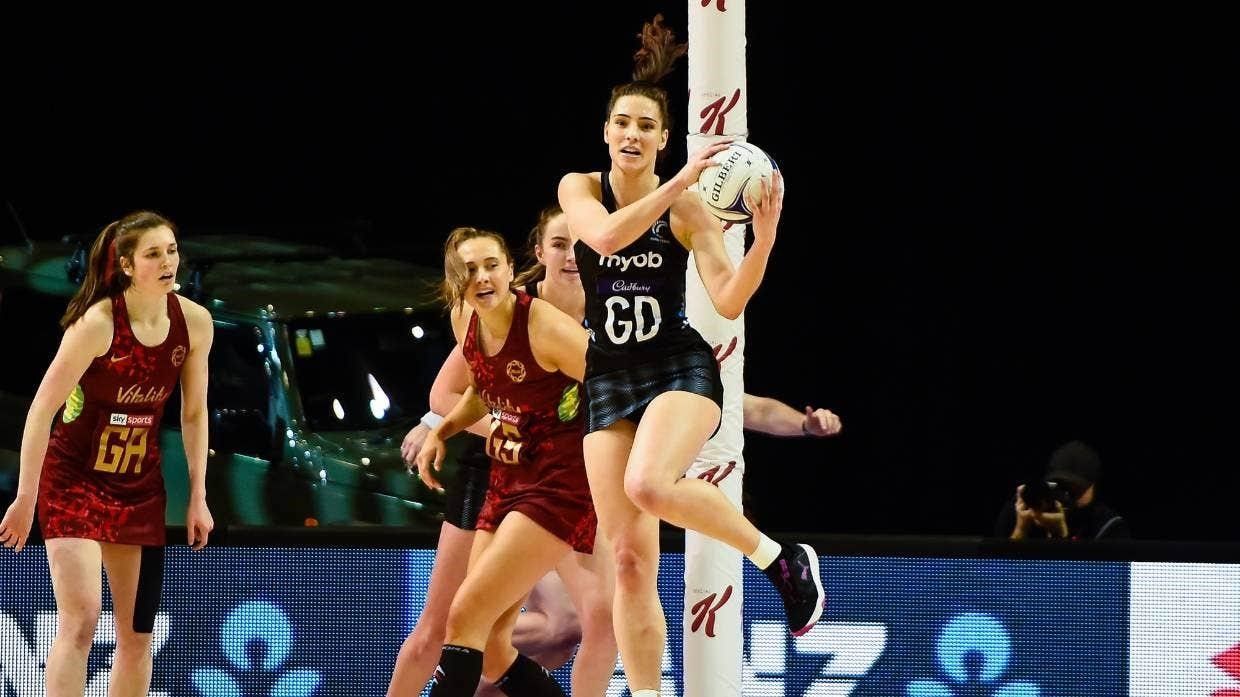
[1063,504]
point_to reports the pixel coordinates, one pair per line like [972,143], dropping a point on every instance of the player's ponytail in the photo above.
[112,249]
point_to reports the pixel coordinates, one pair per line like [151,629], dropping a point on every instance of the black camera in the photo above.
[1042,495]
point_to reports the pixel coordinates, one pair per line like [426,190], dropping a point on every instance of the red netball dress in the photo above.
[535,440]
[101,478]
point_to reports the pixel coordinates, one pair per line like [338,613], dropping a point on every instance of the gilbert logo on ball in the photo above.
[727,186]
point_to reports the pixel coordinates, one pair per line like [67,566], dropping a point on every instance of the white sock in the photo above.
[765,554]
[646,693]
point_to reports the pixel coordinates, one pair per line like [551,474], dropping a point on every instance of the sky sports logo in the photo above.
[132,420]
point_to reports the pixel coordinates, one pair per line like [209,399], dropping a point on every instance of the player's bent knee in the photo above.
[643,492]
[464,617]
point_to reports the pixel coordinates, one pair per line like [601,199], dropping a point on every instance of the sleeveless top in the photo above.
[536,414]
[103,455]
[635,298]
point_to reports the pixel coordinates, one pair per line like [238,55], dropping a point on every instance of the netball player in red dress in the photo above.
[96,480]
[525,358]
[586,578]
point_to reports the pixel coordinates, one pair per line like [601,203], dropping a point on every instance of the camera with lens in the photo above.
[1042,495]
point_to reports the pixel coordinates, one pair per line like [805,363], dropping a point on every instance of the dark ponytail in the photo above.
[653,61]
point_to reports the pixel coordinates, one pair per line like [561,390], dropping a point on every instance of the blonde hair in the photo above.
[455,274]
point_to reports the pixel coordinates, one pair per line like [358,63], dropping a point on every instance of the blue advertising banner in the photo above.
[266,622]
[233,621]
[938,627]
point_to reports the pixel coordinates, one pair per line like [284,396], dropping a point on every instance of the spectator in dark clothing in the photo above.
[1063,504]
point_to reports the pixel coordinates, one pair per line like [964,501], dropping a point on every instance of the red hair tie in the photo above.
[109,266]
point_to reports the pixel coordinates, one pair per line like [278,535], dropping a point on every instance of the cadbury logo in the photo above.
[630,287]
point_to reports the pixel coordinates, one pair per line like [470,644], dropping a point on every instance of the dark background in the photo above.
[1000,233]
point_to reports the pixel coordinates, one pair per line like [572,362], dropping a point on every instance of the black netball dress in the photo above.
[641,344]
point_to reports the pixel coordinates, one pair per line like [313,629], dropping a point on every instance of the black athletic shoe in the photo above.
[795,575]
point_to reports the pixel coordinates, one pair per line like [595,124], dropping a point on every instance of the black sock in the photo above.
[460,669]
[525,678]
